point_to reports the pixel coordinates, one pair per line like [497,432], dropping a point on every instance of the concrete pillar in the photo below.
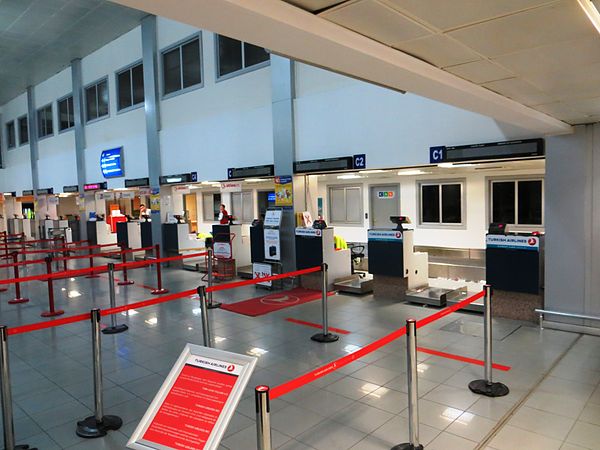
[77,88]
[33,137]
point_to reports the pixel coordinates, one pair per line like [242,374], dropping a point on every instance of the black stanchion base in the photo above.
[407,446]
[213,305]
[3,289]
[58,312]
[90,428]
[159,291]
[482,387]
[24,447]
[16,301]
[116,329]
[93,276]
[323,338]
[125,283]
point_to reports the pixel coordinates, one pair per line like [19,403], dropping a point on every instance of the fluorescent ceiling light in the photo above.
[454,166]
[412,172]
[592,12]
[350,176]
[255,180]
[208,182]
[372,171]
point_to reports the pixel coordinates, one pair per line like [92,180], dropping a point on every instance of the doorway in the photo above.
[384,202]
[191,211]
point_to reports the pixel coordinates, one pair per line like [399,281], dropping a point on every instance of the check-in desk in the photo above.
[231,241]
[515,270]
[99,233]
[146,233]
[177,240]
[317,246]
[129,234]
[29,228]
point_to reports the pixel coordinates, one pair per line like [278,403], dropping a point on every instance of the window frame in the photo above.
[241,71]
[63,98]
[515,180]
[118,72]
[173,46]
[212,194]
[85,112]
[38,123]
[237,216]
[361,221]
[463,204]
[18,129]
[8,146]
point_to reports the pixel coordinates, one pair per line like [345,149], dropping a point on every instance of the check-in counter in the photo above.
[177,240]
[317,246]
[15,226]
[28,226]
[146,233]
[515,269]
[129,234]
[231,241]
[99,233]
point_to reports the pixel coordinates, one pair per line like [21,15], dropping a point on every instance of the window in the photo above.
[66,115]
[441,203]
[210,207]
[45,122]
[517,202]
[10,135]
[234,56]
[130,87]
[23,130]
[242,206]
[345,205]
[96,100]
[181,66]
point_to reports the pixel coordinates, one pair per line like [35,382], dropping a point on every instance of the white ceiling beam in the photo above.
[297,34]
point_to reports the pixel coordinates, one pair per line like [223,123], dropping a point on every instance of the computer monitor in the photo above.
[497,228]
[399,220]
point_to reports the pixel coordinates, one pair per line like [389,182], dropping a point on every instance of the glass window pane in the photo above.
[353,205]
[190,55]
[23,131]
[236,205]
[137,74]
[451,203]
[254,55]
[171,71]
[337,205]
[530,202]
[207,207]
[248,207]
[124,88]
[103,99]
[91,108]
[430,203]
[230,55]
[49,122]
[216,205]
[63,115]
[10,135]
[503,202]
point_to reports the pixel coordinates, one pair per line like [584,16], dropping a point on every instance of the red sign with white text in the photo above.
[188,414]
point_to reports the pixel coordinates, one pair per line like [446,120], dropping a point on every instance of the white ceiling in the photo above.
[542,53]
[38,38]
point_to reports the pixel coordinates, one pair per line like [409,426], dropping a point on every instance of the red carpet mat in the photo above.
[273,302]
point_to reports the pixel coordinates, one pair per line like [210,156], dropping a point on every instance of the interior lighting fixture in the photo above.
[591,11]
[255,180]
[350,176]
[412,172]
[372,171]
[455,166]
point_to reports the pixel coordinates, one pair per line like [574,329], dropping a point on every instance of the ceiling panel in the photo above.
[449,14]
[315,5]
[480,72]
[520,90]
[375,20]
[439,50]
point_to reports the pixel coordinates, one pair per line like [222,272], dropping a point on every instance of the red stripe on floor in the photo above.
[316,325]
[477,362]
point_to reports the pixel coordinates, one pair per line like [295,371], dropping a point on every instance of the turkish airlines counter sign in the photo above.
[513,242]
[196,402]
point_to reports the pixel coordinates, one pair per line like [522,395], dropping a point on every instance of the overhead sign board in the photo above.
[173,179]
[234,173]
[27,192]
[137,182]
[196,402]
[359,161]
[231,186]
[95,186]
[71,189]
[111,163]
[523,148]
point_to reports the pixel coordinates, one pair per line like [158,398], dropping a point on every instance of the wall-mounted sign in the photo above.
[137,182]
[111,163]
[271,197]
[324,165]
[250,172]
[273,218]
[128,195]
[144,191]
[27,192]
[174,179]
[384,235]
[272,244]
[385,195]
[524,148]
[181,189]
[437,154]
[44,191]
[360,161]
[95,186]
[513,242]
[155,202]
[194,177]
[73,189]
[196,402]
[231,186]
[284,192]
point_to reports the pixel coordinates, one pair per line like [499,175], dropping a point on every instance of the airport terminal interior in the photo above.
[300,224]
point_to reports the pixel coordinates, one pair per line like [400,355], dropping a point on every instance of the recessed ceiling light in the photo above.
[412,172]
[350,176]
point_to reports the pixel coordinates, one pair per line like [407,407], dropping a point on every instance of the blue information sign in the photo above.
[437,154]
[111,163]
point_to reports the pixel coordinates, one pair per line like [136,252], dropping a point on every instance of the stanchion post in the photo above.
[6,253]
[204,311]
[65,253]
[114,328]
[51,311]
[263,417]
[92,274]
[125,281]
[209,276]
[487,386]
[325,336]
[413,389]
[7,407]
[97,425]
[159,287]
[18,298]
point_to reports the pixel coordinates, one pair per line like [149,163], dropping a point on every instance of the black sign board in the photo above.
[235,173]
[44,191]
[73,189]
[324,165]
[525,148]
[11,194]
[174,179]
[95,186]
[137,182]
[28,192]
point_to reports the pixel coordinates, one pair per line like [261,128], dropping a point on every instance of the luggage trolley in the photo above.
[224,263]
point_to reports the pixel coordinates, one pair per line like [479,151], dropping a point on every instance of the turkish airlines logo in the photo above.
[230,368]
[532,241]
[398,235]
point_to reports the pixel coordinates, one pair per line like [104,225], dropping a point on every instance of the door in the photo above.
[189,204]
[384,202]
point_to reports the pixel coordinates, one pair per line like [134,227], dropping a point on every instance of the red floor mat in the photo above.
[273,302]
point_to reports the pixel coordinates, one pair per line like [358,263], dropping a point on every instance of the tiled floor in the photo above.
[362,406]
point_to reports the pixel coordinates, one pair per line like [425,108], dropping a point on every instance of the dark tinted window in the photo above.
[530,202]
[10,135]
[190,59]
[44,121]
[124,88]
[96,100]
[451,203]
[137,81]
[130,85]
[182,66]
[103,99]
[430,203]
[254,55]
[503,202]
[66,116]
[23,130]
[172,71]
[230,55]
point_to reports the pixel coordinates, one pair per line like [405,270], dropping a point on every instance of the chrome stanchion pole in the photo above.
[97,425]
[6,393]
[487,386]
[413,389]
[325,335]
[114,328]
[209,272]
[204,311]
[263,417]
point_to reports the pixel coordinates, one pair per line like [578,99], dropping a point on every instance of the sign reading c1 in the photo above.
[437,154]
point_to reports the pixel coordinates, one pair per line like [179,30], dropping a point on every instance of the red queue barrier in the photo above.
[18,299]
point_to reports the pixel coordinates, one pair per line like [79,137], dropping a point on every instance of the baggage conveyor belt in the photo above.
[441,297]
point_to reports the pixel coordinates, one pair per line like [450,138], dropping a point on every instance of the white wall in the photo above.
[17,175]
